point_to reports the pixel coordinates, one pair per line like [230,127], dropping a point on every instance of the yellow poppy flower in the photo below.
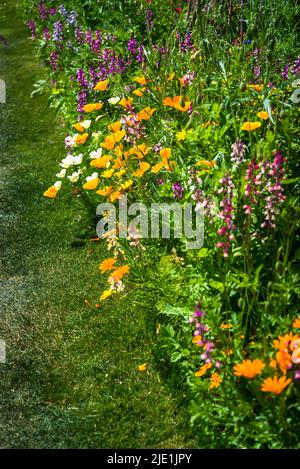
[115,127]
[144,166]
[126,102]
[100,162]
[140,80]
[92,107]
[165,153]
[143,367]
[156,168]
[51,192]
[81,139]
[139,92]
[107,190]
[106,294]
[145,113]
[91,185]
[101,85]
[115,196]
[250,126]
[263,115]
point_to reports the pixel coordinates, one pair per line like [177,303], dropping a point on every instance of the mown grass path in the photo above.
[71,376]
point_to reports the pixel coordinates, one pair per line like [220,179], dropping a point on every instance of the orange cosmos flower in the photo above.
[139,92]
[250,126]
[107,190]
[126,103]
[107,264]
[145,113]
[140,80]
[275,385]
[51,192]
[249,369]
[296,323]
[101,85]
[144,166]
[81,139]
[170,77]
[263,115]
[119,273]
[283,356]
[100,162]
[203,370]
[215,381]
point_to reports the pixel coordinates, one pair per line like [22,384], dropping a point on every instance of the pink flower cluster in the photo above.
[264,182]
[133,127]
[226,214]
[200,333]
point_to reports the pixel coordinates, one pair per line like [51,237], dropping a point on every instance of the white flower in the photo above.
[114,100]
[75,176]
[70,141]
[57,185]
[61,174]
[96,154]
[67,161]
[77,159]
[93,176]
[86,124]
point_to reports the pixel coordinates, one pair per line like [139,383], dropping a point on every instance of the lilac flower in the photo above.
[81,78]
[52,11]
[226,214]
[238,149]
[62,10]
[296,66]
[43,11]
[160,182]
[132,46]
[157,148]
[82,100]
[71,19]
[32,26]
[297,374]
[58,31]
[285,72]
[149,22]
[46,34]
[177,190]
[53,60]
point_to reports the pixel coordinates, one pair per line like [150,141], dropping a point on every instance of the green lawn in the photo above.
[71,376]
